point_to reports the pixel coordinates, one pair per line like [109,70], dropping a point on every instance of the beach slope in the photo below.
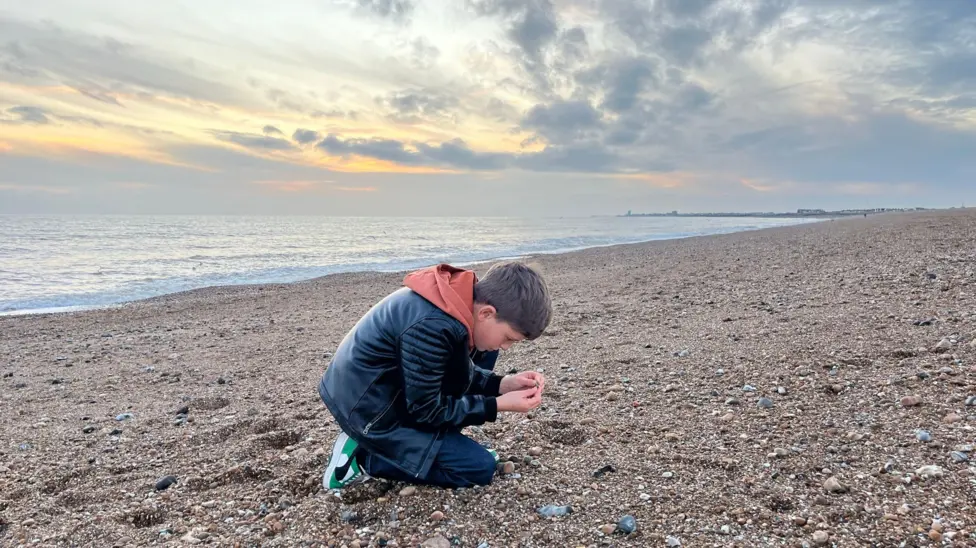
[764,388]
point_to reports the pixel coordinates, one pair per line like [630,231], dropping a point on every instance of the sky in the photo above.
[485,107]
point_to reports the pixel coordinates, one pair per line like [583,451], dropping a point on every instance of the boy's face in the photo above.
[490,333]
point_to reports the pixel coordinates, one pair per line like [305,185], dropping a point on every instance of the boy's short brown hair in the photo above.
[520,297]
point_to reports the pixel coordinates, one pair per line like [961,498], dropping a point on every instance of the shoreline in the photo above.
[858,333]
[73,309]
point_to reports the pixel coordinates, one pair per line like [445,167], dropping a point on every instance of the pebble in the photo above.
[165,483]
[970,401]
[748,388]
[506,467]
[672,542]
[608,528]
[732,401]
[436,542]
[552,510]
[930,471]
[627,525]
[820,538]
[782,391]
[833,485]
[437,516]
[88,429]
[765,403]
[408,491]
[923,436]
[951,418]
[535,451]
[911,401]
[124,417]
[667,475]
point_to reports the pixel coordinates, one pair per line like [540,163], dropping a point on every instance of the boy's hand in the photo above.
[520,401]
[522,381]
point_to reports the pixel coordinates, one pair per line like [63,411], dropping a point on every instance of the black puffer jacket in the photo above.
[403,376]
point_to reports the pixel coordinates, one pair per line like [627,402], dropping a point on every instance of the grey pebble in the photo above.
[765,403]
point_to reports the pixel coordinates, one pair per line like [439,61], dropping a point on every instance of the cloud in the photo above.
[253,140]
[104,68]
[26,115]
[420,105]
[802,100]
[396,10]
[562,121]
[305,136]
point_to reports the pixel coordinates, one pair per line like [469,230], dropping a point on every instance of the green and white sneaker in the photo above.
[343,470]
[494,454]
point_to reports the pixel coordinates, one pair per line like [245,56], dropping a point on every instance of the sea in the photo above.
[59,263]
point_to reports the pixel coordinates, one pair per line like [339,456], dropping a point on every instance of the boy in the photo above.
[403,382]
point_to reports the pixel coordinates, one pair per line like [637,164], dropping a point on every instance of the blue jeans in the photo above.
[461,462]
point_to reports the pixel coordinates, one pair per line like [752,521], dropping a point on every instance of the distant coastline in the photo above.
[798,214]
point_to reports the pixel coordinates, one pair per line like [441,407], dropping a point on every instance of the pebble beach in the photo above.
[811,385]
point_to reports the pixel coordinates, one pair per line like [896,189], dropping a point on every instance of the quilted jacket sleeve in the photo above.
[483,382]
[426,349]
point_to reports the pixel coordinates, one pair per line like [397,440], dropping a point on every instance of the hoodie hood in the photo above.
[449,288]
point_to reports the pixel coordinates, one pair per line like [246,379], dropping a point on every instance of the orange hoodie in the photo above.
[449,288]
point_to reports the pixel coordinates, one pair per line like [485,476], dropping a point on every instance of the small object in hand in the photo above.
[537,384]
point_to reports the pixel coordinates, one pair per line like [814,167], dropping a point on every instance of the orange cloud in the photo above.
[292,186]
[362,164]
[660,180]
[356,188]
[754,185]
[311,186]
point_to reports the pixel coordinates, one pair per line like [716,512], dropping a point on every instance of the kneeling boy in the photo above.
[417,368]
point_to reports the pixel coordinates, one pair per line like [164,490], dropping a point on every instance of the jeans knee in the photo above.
[485,471]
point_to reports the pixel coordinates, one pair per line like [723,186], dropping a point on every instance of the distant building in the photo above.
[810,212]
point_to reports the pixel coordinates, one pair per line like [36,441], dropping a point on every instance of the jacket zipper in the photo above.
[382,413]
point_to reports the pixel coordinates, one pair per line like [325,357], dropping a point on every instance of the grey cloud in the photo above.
[415,106]
[500,110]
[305,136]
[252,140]
[423,54]
[352,115]
[27,115]
[271,130]
[396,10]
[562,121]
[626,79]
[532,26]
[100,68]
[456,153]
[886,148]
[383,149]
[684,31]
[584,157]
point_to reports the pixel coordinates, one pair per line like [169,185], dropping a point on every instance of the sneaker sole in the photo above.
[334,461]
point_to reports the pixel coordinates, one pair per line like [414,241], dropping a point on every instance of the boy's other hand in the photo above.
[522,381]
[520,401]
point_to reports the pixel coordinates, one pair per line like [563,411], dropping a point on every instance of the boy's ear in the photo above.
[486,311]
